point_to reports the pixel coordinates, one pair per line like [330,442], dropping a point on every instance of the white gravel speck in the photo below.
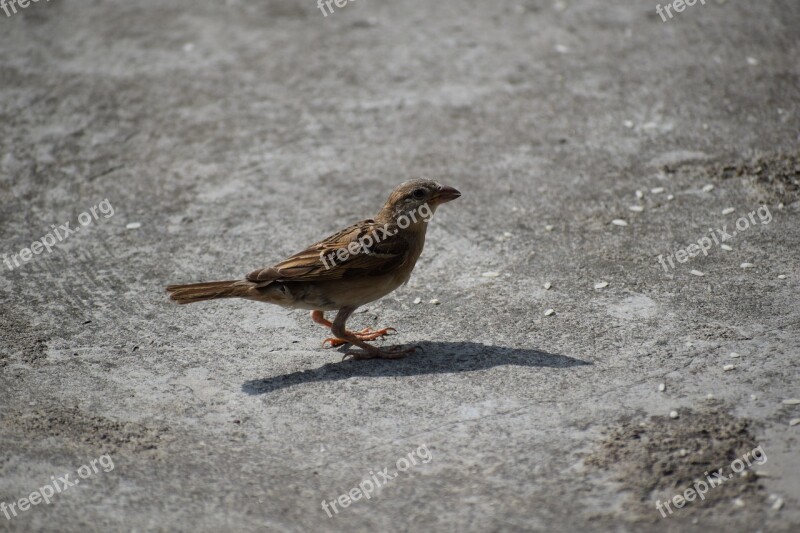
[728,368]
[728,210]
[601,285]
[708,188]
[726,247]
[696,273]
[628,124]
[709,396]
[738,502]
[639,194]
[619,222]
[562,49]
[747,265]
[794,421]
[549,312]
[547,286]
[491,274]
[752,61]
[662,387]
[417,300]
[791,401]
[735,355]
[134,225]
[670,197]
[657,190]
[434,301]
[782,276]
[549,227]
[636,208]
[673,414]
[777,505]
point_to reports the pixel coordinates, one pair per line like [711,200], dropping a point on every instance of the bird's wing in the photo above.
[323,261]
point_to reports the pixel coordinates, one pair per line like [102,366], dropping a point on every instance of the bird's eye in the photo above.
[418,193]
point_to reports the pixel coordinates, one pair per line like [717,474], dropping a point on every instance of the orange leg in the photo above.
[366,334]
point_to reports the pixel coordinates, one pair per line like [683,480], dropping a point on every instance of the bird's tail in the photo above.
[198,292]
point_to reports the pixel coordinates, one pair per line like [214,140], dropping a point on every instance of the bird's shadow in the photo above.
[435,358]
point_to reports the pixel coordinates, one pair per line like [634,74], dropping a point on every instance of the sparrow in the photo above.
[356,266]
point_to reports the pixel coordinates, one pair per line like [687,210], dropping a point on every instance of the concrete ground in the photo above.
[213,138]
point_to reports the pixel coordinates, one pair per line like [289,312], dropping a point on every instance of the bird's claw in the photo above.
[393,352]
[366,334]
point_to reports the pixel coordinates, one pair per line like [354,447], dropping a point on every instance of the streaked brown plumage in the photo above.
[323,278]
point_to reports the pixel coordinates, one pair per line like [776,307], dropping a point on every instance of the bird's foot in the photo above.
[366,334]
[392,352]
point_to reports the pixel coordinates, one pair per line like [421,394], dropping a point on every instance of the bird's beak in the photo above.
[446,194]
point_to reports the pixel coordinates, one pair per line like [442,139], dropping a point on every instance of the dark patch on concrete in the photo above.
[81,429]
[778,174]
[658,457]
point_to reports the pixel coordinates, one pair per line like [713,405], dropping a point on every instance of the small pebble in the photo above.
[673,414]
[777,505]
[662,387]
[628,124]
[134,225]
[708,188]
[670,197]
[794,421]
[752,61]
[549,227]
[549,312]
[726,247]
[728,210]
[434,301]
[657,190]
[636,208]
[709,396]
[601,285]
[747,265]
[738,502]
[639,195]
[491,274]
[753,397]
[619,222]
[547,286]
[782,276]
[727,368]
[696,273]
[791,401]
[417,300]
[735,355]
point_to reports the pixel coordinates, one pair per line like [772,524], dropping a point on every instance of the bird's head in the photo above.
[418,200]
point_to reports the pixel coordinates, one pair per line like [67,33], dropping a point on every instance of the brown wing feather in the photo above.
[389,252]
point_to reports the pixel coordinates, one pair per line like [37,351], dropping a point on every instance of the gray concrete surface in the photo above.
[236,132]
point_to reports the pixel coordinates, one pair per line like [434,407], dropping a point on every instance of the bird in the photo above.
[353,267]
